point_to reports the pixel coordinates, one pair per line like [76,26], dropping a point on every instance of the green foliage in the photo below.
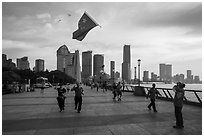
[22,76]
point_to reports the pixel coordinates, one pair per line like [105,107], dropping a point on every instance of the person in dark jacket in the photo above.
[152,93]
[61,97]
[119,92]
[78,96]
[114,87]
[178,104]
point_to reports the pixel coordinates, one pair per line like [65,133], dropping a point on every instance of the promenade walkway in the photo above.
[35,113]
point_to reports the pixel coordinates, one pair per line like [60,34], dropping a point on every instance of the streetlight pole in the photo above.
[135,75]
[139,61]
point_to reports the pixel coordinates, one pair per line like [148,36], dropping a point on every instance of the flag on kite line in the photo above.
[85,24]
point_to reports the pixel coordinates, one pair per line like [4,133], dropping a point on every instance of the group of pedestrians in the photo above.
[77,98]
[178,102]
[103,86]
[117,94]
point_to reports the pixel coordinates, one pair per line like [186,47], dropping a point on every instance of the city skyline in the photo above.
[168,33]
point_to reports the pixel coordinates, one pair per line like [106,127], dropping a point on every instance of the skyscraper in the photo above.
[189,77]
[69,62]
[39,65]
[98,63]
[86,64]
[168,73]
[165,72]
[162,71]
[112,69]
[23,63]
[145,76]
[126,74]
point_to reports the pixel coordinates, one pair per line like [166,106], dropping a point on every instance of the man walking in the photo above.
[78,97]
[152,93]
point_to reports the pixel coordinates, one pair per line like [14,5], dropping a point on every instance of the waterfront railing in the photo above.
[193,97]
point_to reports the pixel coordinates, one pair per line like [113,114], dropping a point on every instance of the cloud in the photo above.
[43,16]
[190,16]
[157,32]
[10,44]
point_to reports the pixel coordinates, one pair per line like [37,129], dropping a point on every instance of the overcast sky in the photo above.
[156,32]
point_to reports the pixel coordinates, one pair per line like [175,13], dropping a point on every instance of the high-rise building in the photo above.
[145,76]
[23,63]
[162,72]
[153,76]
[168,73]
[69,62]
[196,79]
[98,64]
[7,63]
[126,73]
[189,78]
[86,64]
[112,69]
[165,72]
[39,65]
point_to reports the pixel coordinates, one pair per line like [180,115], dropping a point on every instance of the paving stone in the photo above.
[32,113]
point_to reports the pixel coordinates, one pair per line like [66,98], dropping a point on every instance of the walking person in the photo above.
[178,104]
[123,83]
[152,93]
[78,96]
[61,97]
[119,92]
[97,86]
[114,86]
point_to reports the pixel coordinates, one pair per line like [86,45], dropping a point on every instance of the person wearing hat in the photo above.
[78,96]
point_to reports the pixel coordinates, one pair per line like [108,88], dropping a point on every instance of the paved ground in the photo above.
[35,113]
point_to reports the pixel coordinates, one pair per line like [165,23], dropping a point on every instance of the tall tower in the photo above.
[112,69]
[189,76]
[126,74]
[162,72]
[39,65]
[165,72]
[69,62]
[145,76]
[77,72]
[86,64]
[98,62]
[169,73]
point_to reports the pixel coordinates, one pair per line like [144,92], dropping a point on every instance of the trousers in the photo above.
[78,102]
[178,115]
[152,104]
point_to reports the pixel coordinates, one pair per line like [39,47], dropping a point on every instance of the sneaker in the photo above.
[149,108]
[155,110]
[78,111]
